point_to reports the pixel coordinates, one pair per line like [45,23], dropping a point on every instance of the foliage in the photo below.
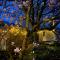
[37,19]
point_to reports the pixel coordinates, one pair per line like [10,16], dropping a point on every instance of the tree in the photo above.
[40,7]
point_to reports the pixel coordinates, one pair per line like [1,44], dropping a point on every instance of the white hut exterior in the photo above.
[46,35]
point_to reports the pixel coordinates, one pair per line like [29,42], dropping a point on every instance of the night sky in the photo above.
[10,14]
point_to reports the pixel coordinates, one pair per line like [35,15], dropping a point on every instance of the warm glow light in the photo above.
[17,30]
[48,36]
[24,32]
[14,30]
[1,30]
